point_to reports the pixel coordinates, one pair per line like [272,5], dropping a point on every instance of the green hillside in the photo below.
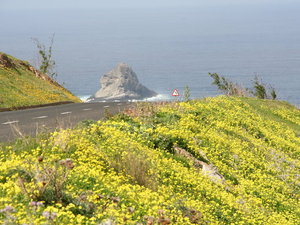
[223,160]
[23,85]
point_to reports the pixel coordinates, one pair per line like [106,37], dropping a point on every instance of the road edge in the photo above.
[34,106]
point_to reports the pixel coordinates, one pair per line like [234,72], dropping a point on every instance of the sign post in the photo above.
[175,93]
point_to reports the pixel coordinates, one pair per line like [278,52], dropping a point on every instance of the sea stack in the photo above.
[122,84]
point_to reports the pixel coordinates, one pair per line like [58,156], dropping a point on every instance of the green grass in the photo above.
[19,86]
[266,110]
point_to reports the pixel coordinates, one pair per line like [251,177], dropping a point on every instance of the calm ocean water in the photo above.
[168,47]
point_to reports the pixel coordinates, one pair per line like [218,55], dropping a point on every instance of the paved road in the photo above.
[32,121]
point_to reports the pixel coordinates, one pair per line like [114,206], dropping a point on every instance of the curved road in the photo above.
[20,123]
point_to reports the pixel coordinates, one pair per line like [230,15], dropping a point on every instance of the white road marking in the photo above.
[10,122]
[87,109]
[106,106]
[119,104]
[40,117]
[64,113]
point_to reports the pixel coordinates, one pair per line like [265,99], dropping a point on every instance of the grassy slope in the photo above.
[126,169]
[20,87]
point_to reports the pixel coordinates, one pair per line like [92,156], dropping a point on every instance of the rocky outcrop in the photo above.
[5,61]
[207,169]
[122,84]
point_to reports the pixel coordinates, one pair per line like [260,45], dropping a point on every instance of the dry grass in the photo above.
[147,109]
[136,166]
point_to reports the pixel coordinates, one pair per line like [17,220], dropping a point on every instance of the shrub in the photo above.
[46,62]
[45,182]
[259,89]
[273,93]
[227,86]
[230,88]
[187,93]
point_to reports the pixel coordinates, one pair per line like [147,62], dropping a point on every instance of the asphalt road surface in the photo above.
[14,124]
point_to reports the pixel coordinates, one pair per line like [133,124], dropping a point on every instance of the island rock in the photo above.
[122,84]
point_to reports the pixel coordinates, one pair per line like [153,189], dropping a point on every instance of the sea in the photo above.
[168,47]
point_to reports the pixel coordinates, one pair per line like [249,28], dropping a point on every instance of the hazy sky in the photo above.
[57,4]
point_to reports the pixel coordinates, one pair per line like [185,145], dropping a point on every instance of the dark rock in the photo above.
[5,61]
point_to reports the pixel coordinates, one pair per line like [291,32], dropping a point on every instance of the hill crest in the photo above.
[23,85]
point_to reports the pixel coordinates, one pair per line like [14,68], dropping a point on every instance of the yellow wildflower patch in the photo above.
[213,161]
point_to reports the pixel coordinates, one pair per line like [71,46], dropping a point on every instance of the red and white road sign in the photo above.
[175,92]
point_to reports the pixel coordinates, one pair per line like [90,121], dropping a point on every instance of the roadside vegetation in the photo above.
[46,62]
[23,85]
[222,160]
[259,90]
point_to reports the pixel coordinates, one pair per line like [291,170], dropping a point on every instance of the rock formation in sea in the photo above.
[122,84]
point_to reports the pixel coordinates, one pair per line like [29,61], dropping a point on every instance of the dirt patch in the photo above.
[6,62]
[39,74]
